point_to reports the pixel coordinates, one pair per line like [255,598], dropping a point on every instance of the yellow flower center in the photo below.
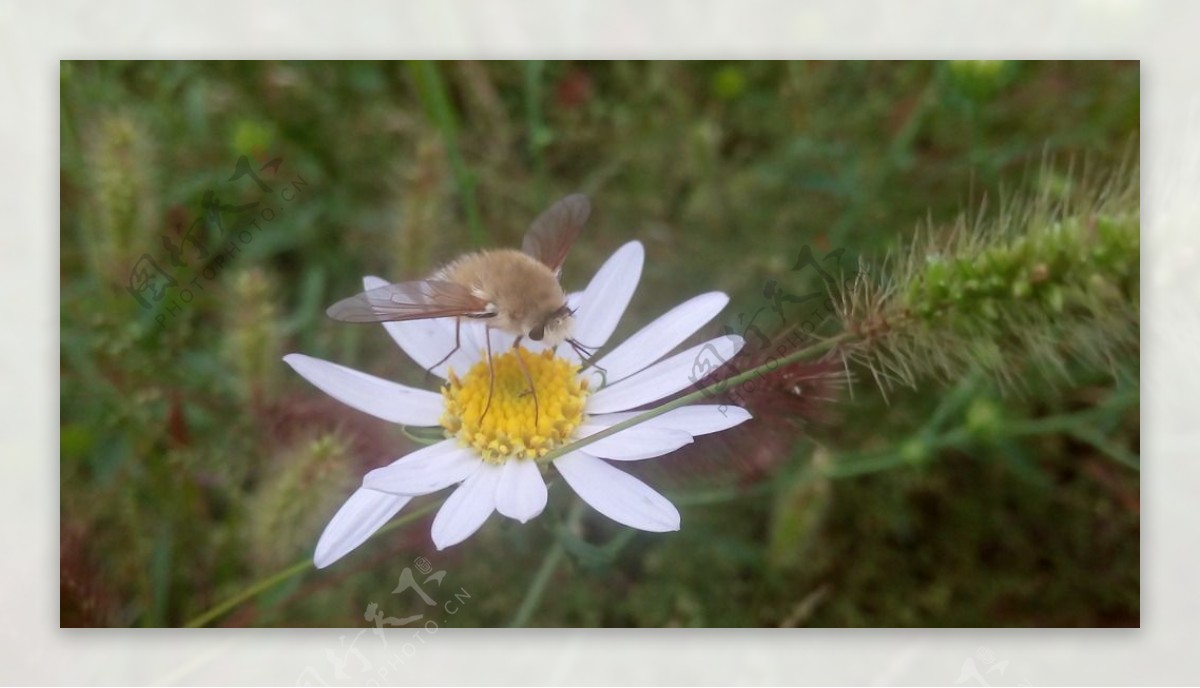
[509,428]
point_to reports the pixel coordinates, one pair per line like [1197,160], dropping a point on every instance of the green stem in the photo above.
[1077,425]
[537,587]
[1081,426]
[856,465]
[417,438]
[1113,450]
[247,593]
[719,495]
[432,91]
[292,571]
[702,393]
[535,128]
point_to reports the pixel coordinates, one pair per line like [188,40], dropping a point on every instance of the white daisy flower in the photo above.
[494,458]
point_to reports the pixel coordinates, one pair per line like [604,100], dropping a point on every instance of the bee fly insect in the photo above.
[517,292]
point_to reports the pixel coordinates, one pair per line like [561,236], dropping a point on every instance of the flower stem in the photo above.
[292,571]
[537,587]
[702,393]
[248,593]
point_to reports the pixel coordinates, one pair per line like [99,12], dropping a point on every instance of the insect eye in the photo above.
[537,333]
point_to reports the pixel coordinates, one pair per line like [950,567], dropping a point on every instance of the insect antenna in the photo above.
[587,355]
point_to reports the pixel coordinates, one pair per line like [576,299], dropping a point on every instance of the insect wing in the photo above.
[409,301]
[554,231]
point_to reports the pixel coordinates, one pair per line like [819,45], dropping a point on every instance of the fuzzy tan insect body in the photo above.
[517,291]
[514,291]
[522,292]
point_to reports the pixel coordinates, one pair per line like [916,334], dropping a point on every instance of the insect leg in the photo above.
[457,345]
[487,334]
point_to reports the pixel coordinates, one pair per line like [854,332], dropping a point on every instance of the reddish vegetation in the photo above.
[86,598]
[295,417]
[574,89]
[783,401]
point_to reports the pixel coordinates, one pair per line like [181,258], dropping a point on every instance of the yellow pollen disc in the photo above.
[509,429]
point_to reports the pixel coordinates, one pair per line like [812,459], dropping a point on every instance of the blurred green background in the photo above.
[195,463]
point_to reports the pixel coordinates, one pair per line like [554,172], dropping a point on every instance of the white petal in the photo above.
[427,341]
[521,492]
[564,350]
[667,377]
[655,340]
[616,494]
[636,443]
[503,341]
[380,398]
[607,295]
[700,419]
[364,513]
[425,470]
[474,341]
[467,508]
